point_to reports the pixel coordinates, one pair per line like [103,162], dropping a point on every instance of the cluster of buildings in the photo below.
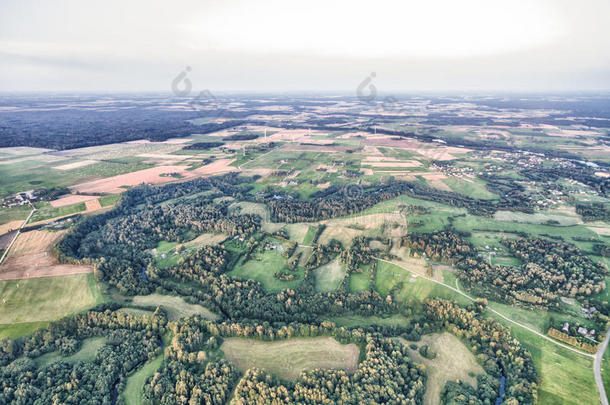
[18,199]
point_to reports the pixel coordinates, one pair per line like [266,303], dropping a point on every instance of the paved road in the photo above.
[597,369]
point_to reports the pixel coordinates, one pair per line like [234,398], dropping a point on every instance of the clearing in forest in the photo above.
[288,358]
[329,276]
[453,362]
[175,306]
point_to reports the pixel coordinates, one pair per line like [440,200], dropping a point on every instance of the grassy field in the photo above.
[16,330]
[39,171]
[352,321]
[135,382]
[453,362]
[360,281]
[494,226]
[311,232]
[108,200]
[262,268]
[288,358]
[14,214]
[166,249]
[46,299]
[175,306]
[329,276]
[470,187]
[563,373]
[45,211]
[409,287]
[87,352]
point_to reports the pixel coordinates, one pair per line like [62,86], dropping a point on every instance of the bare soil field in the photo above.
[31,257]
[453,362]
[10,226]
[112,185]
[216,167]
[71,199]
[288,358]
[206,239]
[93,205]
[6,239]
[35,242]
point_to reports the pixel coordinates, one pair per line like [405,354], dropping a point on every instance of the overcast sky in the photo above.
[313,45]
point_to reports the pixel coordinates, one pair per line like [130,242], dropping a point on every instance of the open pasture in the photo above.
[288,358]
[175,306]
[262,268]
[135,382]
[454,361]
[87,352]
[329,276]
[46,299]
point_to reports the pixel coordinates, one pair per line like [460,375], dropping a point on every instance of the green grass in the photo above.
[288,358]
[135,382]
[329,276]
[407,287]
[360,281]
[175,306]
[540,320]
[470,223]
[566,377]
[39,172]
[108,200]
[470,187]
[45,211]
[311,232]
[14,214]
[13,331]
[86,353]
[262,268]
[48,298]
[167,249]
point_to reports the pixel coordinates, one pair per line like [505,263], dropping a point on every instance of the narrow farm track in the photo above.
[597,369]
[494,311]
[597,357]
[17,234]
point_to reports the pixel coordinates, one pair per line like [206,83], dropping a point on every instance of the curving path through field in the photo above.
[597,357]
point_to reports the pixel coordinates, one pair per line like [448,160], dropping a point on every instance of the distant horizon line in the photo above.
[335,93]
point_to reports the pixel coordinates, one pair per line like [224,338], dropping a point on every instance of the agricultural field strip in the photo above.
[17,234]
[597,357]
[260,156]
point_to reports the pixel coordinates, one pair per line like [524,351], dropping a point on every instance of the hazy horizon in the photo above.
[269,46]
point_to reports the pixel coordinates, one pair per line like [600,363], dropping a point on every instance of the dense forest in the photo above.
[119,242]
[78,128]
